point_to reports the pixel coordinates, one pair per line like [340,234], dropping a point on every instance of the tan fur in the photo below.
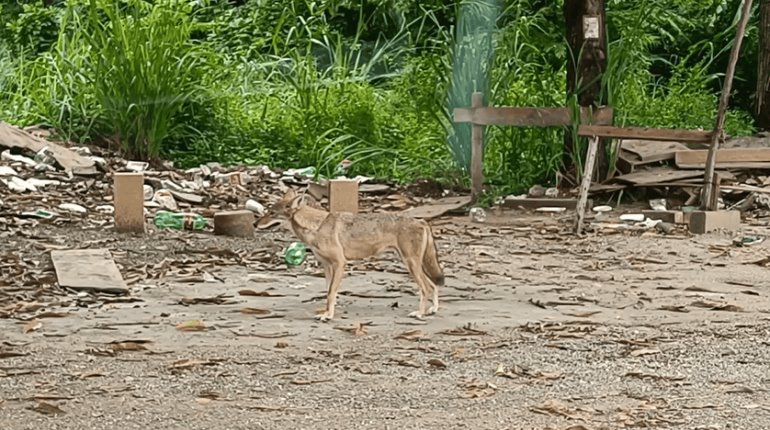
[338,238]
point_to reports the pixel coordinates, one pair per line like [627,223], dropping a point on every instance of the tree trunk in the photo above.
[585,68]
[763,63]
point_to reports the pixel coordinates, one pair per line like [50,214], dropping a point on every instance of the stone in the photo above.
[239,223]
[343,195]
[128,200]
[706,221]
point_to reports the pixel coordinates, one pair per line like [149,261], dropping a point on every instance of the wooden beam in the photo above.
[531,117]
[727,155]
[477,151]
[643,133]
[585,184]
[708,197]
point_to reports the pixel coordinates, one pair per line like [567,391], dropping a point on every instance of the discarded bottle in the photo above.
[179,221]
[295,254]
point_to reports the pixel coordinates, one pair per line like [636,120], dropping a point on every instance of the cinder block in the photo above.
[673,217]
[128,201]
[705,221]
[238,223]
[343,195]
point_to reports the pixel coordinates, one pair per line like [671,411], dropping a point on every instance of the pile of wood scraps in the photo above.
[742,166]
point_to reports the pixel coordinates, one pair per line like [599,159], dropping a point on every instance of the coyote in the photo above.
[336,238]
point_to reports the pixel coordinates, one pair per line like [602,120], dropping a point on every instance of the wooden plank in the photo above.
[650,151]
[438,207]
[477,151]
[728,166]
[643,133]
[653,176]
[725,155]
[585,183]
[534,203]
[69,160]
[529,116]
[88,270]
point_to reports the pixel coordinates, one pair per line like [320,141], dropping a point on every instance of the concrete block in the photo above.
[238,223]
[705,221]
[343,195]
[128,201]
[673,217]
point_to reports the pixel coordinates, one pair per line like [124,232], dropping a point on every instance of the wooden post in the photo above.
[587,41]
[477,150]
[707,199]
[585,184]
[763,68]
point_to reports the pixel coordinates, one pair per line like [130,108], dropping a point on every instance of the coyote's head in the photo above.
[282,210]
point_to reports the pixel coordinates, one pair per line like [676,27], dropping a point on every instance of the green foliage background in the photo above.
[302,82]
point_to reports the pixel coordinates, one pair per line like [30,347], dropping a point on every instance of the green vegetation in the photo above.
[302,82]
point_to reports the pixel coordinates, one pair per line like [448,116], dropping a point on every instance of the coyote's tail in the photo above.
[430,263]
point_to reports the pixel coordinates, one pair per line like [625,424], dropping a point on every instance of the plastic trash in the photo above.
[148,192]
[658,204]
[45,156]
[71,207]
[137,166]
[552,193]
[165,199]
[255,207]
[295,254]
[602,209]
[6,155]
[478,215]
[179,221]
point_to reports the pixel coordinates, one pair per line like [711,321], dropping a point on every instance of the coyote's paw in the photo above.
[418,315]
[323,317]
[432,310]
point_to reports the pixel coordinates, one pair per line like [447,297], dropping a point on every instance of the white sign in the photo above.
[590,27]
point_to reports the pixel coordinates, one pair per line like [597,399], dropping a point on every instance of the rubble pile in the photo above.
[49,182]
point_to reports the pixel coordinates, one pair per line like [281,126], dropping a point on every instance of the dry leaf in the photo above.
[466,330]
[128,346]
[255,311]
[192,325]
[555,407]
[644,351]
[264,293]
[188,363]
[517,371]
[92,374]
[475,389]
[51,314]
[11,354]
[281,345]
[584,314]
[359,329]
[308,381]
[32,326]
[216,300]
[411,335]
[435,362]
[46,409]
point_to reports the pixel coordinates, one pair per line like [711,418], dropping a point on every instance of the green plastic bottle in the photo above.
[179,221]
[295,254]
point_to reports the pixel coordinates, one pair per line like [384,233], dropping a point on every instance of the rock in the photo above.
[239,223]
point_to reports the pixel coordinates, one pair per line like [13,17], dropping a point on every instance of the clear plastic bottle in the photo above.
[179,221]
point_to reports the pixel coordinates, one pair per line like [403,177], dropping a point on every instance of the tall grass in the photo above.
[143,70]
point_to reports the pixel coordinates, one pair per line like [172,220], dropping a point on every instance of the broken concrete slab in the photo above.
[707,221]
[438,207]
[69,160]
[88,270]
[343,196]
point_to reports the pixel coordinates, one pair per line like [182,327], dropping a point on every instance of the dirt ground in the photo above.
[537,329]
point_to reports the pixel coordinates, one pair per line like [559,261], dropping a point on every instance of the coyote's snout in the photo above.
[336,238]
